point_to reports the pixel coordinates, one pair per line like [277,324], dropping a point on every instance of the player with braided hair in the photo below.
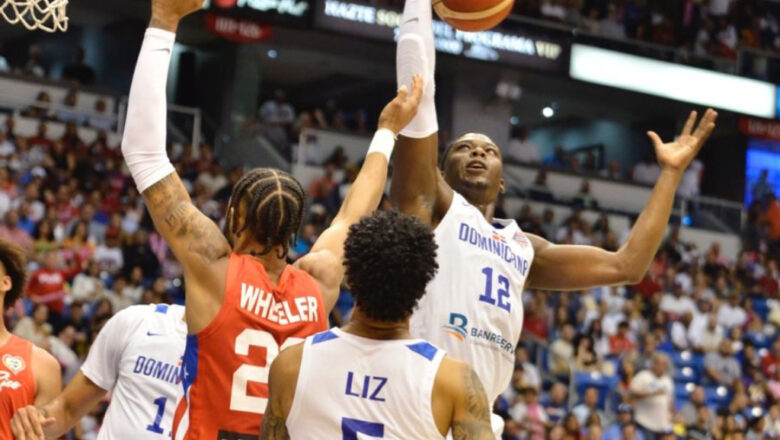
[244,302]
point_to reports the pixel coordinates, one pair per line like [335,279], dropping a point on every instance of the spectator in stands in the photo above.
[690,411]
[557,404]
[584,199]
[47,285]
[721,366]
[653,391]
[611,25]
[321,188]
[711,336]
[588,406]
[620,343]
[100,119]
[87,286]
[138,253]
[34,67]
[625,416]
[647,171]
[277,117]
[613,171]
[41,109]
[79,71]
[675,304]
[531,376]
[732,314]
[561,354]
[530,414]
[70,112]
[12,232]
[548,226]
[35,328]
[771,360]
[762,189]
[539,190]
[719,8]
[523,149]
[681,332]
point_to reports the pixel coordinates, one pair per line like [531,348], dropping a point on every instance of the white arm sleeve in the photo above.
[104,358]
[143,143]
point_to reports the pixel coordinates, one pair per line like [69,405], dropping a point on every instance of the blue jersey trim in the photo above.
[424,349]
[324,336]
[190,363]
[161,308]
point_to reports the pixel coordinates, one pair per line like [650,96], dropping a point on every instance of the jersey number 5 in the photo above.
[239,399]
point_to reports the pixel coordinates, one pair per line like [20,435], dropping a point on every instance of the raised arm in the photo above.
[563,267]
[416,188]
[196,241]
[324,262]
[459,402]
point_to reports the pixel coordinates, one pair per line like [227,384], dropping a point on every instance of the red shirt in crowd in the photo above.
[769,363]
[536,325]
[47,286]
[619,344]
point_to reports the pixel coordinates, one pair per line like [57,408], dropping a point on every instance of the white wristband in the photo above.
[383,142]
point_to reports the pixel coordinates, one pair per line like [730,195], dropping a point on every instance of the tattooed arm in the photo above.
[196,241]
[460,404]
[282,381]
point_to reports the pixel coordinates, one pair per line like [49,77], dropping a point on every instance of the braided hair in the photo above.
[273,202]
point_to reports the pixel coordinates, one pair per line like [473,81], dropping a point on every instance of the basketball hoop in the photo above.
[46,15]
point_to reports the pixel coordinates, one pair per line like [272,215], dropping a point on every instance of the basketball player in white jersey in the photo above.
[474,307]
[377,381]
[137,356]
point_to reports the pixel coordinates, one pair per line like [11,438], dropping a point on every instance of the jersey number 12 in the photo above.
[502,292]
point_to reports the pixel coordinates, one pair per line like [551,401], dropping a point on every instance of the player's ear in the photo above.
[501,186]
[6,284]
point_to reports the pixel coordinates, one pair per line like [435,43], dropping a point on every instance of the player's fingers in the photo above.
[25,423]
[657,142]
[402,94]
[17,428]
[417,89]
[48,422]
[688,128]
[707,124]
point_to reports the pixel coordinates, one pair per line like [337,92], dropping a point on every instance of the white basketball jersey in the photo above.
[473,308]
[356,388]
[137,356]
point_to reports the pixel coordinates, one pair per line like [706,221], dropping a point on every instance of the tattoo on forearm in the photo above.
[274,427]
[476,424]
[167,200]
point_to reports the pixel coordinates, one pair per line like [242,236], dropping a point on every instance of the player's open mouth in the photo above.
[476,165]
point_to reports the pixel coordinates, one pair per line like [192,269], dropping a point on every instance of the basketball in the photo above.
[473,15]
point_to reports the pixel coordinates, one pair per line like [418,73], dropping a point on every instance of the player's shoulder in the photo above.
[43,362]
[455,377]
[134,316]
[287,365]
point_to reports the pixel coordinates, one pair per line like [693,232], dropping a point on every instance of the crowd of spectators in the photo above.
[77,72]
[703,27]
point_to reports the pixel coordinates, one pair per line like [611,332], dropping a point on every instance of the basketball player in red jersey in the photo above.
[244,303]
[28,374]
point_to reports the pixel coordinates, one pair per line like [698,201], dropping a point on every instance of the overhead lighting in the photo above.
[673,81]
[548,112]
[272,54]
[514,120]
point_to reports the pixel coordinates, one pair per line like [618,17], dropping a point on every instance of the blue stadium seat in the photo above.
[604,384]
[683,390]
[718,396]
[686,358]
[760,340]
[685,375]
[761,307]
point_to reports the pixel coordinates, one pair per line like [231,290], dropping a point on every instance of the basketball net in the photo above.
[45,15]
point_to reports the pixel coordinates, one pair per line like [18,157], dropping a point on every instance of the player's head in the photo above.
[266,207]
[12,274]
[389,259]
[472,166]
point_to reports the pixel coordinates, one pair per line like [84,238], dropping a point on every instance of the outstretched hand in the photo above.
[166,14]
[28,424]
[401,110]
[679,154]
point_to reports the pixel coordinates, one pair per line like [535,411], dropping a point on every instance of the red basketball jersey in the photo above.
[226,365]
[17,381]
